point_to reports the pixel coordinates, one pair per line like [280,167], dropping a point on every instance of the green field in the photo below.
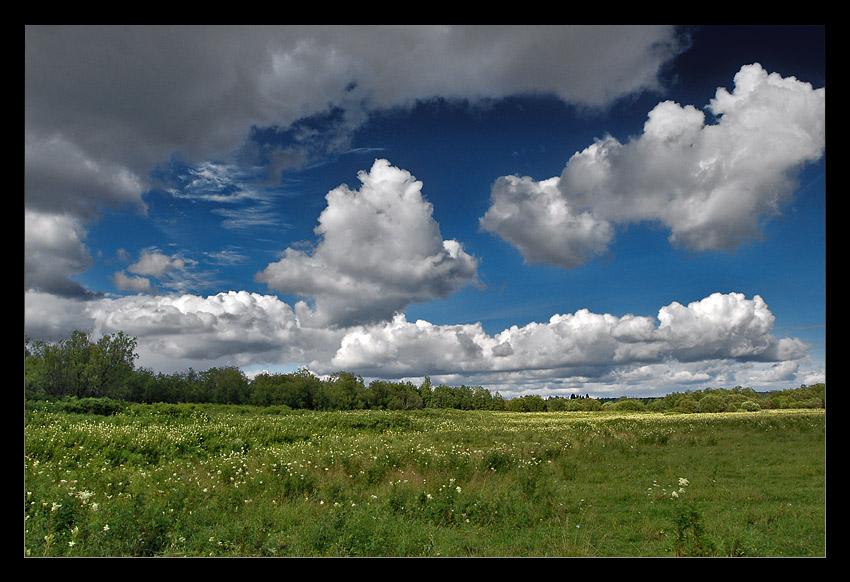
[206,480]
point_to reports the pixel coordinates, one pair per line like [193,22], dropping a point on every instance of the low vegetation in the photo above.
[225,480]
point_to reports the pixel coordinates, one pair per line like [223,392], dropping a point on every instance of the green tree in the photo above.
[342,391]
[443,396]
[77,366]
[711,403]
[226,385]
[686,404]
[296,390]
[530,403]
[264,390]
[403,396]
[630,404]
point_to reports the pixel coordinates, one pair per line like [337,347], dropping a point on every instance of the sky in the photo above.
[553,210]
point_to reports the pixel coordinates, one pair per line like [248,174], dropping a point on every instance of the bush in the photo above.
[99,406]
[749,406]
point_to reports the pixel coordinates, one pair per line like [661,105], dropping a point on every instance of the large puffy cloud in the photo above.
[128,97]
[234,328]
[712,185]
[719,327]
[380,249]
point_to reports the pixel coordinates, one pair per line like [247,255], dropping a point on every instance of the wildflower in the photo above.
[106,527]
[55,506]
[683,482]
[674,494]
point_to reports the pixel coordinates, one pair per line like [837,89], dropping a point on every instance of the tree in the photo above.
[111,364]
[299,389]
[76,366]
[342,391]
[711,403]
[226,385]
[403,396]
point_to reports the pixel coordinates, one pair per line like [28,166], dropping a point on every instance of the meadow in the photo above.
[227,480]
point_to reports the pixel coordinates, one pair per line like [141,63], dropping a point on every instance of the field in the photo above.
[205,480]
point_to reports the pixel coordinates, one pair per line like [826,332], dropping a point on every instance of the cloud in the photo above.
[719,327]
[124,282]
[237,327]
[133,95]
[106,105]
[380,249]
[537,219]
[155,264]
[53,251]
[712,185]
[721,340]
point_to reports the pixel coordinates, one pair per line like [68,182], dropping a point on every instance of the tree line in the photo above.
[79,369]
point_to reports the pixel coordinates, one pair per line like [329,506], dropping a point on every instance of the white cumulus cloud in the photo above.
[238,328]
[124,282]
[719,327]
[379,250]
[537,219]
[711,184]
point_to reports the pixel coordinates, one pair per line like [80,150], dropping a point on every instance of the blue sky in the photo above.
[639,211]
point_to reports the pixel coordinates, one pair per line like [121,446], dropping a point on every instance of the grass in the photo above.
[239,481]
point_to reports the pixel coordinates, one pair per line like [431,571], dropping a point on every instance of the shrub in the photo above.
[99,406]
[749,406]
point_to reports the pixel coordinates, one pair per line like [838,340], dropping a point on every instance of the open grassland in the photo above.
[201,480]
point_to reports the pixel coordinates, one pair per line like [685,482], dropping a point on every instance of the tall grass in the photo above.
[184,480]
